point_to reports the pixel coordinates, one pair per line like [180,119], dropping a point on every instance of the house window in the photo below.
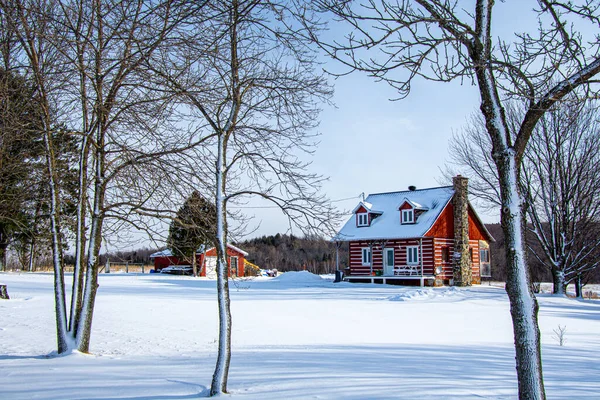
[412,255]
[408,216]
[445,254]
[233,264]
[484,255]
[362,219]
[366,256]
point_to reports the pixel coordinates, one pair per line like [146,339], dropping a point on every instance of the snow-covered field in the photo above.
[296,336]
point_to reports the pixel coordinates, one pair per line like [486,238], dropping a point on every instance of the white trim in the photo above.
[487,252]
[362,219]
[386,265]
[405,214]
[229,246]
[366,251]
[415,253]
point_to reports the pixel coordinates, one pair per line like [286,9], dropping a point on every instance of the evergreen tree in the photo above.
[20,143]
[194,226]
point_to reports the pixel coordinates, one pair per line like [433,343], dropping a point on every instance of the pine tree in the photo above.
[193,227]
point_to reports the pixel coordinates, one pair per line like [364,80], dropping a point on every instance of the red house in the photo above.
[206,261]
[431,236]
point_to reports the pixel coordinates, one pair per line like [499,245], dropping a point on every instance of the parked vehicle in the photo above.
[177,270]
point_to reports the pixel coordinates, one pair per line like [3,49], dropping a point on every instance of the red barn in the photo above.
[432,236]
[206,261]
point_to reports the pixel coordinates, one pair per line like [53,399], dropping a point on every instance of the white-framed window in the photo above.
[366,256]
[412,255]
[362,219]
[484,255]
[408,216]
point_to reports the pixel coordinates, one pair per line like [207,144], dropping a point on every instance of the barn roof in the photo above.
[387,225]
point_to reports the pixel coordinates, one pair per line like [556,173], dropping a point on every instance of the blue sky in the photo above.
[371,144]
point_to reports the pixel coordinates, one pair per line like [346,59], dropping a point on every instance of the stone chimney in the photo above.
[463,272]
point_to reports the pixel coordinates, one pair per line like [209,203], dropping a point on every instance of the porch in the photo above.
[394,276]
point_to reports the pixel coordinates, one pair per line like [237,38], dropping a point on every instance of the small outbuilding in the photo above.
[205,259]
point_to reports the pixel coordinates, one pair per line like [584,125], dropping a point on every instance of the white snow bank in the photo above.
[298,277]
[150,341]
[426,294]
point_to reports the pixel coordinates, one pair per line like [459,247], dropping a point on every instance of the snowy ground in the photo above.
[294,337]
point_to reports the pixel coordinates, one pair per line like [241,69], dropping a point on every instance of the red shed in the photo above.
[431,236]
[206,261]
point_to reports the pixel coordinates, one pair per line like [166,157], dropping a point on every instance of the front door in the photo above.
[388,262]
[211,267]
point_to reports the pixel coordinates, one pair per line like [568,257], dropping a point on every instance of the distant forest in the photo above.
[291,253]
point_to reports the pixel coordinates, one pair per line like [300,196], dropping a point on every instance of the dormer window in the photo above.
[362,219]
[408,216]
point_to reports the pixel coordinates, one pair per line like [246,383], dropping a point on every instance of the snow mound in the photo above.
[424,294]
[298,277]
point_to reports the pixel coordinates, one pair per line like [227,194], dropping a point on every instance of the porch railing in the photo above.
[407,270]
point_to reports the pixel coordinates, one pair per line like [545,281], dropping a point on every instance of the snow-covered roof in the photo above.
[387,225]
[232,247]
[169,253]
[162,253]
[364,204]
[413,204]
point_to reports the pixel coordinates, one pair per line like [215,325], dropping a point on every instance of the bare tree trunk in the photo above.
[578,287]
[84,328]
[194,265]
[219,381]
[3,257]
[64,342]
[31,255]
[558,280]
[523,304]
[80,239]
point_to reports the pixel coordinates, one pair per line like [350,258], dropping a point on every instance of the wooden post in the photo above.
[4,292]
[421,260]
[143,265]
[107,268]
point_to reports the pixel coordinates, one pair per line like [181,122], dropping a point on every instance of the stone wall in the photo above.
[461,260]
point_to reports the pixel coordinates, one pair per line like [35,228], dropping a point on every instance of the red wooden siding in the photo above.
[162,262]
[444,226]
[431,256]
[406,206]
[399,246]
[476,231]
[447,266]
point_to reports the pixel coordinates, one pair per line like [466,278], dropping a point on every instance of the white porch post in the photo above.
[421,260]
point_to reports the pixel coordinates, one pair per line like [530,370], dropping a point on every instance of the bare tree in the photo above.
[441,40]
[560,181]
[86,59]
[253,85]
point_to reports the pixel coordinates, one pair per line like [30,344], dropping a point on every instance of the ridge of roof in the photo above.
[412,191]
